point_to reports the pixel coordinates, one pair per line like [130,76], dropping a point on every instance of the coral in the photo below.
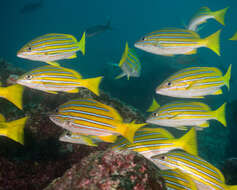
[106,170]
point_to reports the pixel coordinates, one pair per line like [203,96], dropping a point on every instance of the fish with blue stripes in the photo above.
[52,47]
[13,129]
[78,138]
[90,117]
[184,114]
[205,175]
[175,41]
[234,37]
[203,14]
[129,64]
[195,82]
[177,180]
[152,141]
[53,79]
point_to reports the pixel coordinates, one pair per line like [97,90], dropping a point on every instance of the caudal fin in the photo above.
[227,77]
[234,37]
[189,142]
[93,84]
[82,43]
[128,130]
[154,106]
[15,130]
[219,114]
[14,94]
[220,15]
[213,42]
[231,187]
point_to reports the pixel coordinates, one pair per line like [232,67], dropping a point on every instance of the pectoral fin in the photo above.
[51,92]
[73,56]
[218,92]
[75,90]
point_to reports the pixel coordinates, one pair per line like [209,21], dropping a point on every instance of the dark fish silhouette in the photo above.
[97,29]
[31,6]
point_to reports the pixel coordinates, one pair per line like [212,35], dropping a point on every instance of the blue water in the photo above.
[130,21]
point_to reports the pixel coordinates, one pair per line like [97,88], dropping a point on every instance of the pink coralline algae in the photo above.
[107,170]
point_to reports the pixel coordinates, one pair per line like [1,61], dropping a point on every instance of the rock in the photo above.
[107,170]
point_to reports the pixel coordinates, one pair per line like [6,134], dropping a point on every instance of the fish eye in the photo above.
[162,157]
[28,77]
[169,83]
[29,48]
[144,38]
[155,114]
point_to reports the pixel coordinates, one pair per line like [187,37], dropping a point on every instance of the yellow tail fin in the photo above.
[15,130]
[213,42]
[231,187]
[124,56]
[234,37]
[154,106]
[220,15]
[220,114]
[93,84]
[189,142]
[53,63]
[82,43]
[128,130]
[13,93]
[227,77]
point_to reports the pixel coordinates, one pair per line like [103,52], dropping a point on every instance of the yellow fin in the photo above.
[218,92]
[92,84]
[124,56]
[15,130]
[204,125]
[182,128]
[75,90]
[220,114]
[53,63]
[120,75]
[73,56]
[108,138]
[191,52]
[189,142]
[220,15]
[154,106]
[128,130]
[82,43]
[213,42]
[227,77]
[234,37]
[2,118]
[13,93]
[51,92]
[88,140]
[231,187]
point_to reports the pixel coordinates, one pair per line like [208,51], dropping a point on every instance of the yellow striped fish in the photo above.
[78,138]
[14,94]
[174,41]
[185,114]
[152,141]
[177,180]
[195,82]
[53,79]
[205,175]
[129,63]
[52,47]
[90,117]
[204,14]
[234,37]
[13,129]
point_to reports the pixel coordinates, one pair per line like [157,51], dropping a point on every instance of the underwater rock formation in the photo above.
[106,170]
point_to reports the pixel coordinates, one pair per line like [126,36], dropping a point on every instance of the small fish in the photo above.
[183,114]
[204,14]
[174,41]
[78,138]
[177,180]
[152,141]
[195,82]
[234,37]
[52,47]
[95,30]
[14,94]
[90,117]
[32,6]
[53,79]
[205,175]
[129,63]
[13,129]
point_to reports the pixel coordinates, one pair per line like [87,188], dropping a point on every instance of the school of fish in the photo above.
[89,122]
